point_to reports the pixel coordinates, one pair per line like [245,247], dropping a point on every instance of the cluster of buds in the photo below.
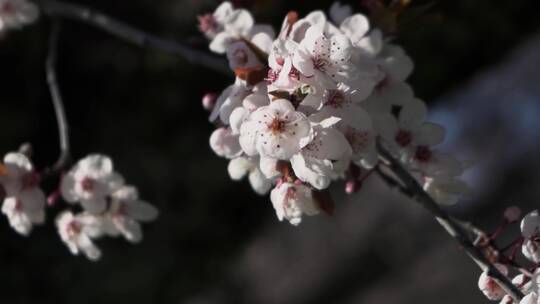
[107,206]
[525,277]
[308,106]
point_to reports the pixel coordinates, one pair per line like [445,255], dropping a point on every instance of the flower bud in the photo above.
[512,214]
[489,287]
[209,101]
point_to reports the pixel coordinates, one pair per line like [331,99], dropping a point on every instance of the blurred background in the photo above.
[477,65]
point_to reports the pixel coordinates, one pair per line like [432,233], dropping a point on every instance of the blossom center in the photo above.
[423,153]
[320,63]
[335,99]
[30,180]
[403,138]
[88,184]
[74,228]
[276,126]
[272,76]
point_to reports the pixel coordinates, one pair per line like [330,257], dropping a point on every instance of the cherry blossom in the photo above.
[225,143]
[125,213]
[89,183]
[276,131]
[291,201]
[24,202]
[14,14]
[77,232]
[314,163]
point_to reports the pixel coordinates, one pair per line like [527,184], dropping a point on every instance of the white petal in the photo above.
[239,167]
[96,166]
[430,134]
[19,160]
[142,211]
[94,206]
[220,42]
[259,182]
[355,27]
[225,144]
[412,115]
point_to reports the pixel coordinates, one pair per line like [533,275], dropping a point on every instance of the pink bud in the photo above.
[512,214]
[53,198]
[352,186]
[209,101]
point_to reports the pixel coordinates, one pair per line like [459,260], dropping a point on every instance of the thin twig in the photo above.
[131,34]
[56,97]
[453,228]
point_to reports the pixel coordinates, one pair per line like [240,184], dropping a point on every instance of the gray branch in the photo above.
[56,97]
[59,9]
[453,227]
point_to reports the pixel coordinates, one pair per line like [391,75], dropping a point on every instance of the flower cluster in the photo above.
[528,277]
[15,14]
[109,207]
[308,106]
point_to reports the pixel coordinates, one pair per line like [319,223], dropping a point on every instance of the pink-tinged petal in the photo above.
[355,27]
[430,134]
[412,115]
[225,144]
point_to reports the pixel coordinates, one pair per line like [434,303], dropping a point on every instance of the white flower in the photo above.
[275,131]
[242,166]
[530,229]
[315,162]
[212,24]
[89,183]
[126,211]
[225,143]
[16,13]
[409,132]
[77,232]
[324,60]
[24,202]
[489,287]
[292,201]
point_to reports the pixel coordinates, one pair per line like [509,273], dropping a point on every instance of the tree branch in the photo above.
[56,97]
[455,229]
[130,34]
